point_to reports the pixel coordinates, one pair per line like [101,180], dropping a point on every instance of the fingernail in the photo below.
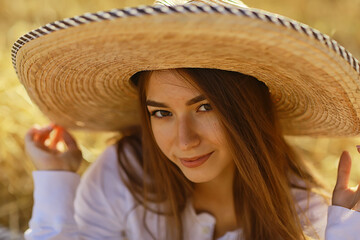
[358,148]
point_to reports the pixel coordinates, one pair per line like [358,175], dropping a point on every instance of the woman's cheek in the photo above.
[214,130]
[162,134]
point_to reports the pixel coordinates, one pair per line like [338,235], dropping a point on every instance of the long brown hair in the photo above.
[265,163]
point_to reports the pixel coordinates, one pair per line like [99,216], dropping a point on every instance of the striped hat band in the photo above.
[77,70]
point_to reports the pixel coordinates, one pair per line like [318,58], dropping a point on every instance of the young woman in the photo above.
[209,160]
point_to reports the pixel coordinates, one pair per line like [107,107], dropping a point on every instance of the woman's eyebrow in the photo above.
[195,100]
[155,104]
[188,103]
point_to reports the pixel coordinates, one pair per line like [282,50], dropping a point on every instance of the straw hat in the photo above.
[77,70]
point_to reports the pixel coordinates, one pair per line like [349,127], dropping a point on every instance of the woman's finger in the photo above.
[56,138]
[43,134]
[69,141]
[344,169]
[30,144]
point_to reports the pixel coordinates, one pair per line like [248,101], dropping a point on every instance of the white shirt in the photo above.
[105,209]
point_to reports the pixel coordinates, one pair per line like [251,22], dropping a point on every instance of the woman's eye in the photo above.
[205,107]
[161,113]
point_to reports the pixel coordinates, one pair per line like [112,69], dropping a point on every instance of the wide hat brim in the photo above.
[77,70]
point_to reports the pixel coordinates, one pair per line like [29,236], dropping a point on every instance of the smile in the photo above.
[195,161]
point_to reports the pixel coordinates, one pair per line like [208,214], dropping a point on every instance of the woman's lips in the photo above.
[195,161]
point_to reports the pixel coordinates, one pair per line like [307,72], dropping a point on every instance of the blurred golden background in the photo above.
[337,18]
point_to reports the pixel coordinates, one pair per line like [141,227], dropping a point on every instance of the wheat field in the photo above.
[337,18]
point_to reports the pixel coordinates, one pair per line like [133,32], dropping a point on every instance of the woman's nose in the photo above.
[187,134]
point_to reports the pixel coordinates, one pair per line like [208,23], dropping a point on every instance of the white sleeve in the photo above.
[342,223]
[94,209]
[312,212]
[102,200]
[52,217]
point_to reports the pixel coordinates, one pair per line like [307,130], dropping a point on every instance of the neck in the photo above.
[218,191]
[216,197]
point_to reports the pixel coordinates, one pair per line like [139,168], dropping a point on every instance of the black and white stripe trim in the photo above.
[188,8]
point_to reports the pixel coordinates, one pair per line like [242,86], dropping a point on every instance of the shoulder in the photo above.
[102,183]
[103,169]
[102,199]
[309,201]
[312,211]
[102,194]
[105,174]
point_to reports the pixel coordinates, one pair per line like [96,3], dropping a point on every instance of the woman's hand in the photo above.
[44,151]
[343,195]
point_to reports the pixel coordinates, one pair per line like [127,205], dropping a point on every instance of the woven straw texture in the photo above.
[78,74]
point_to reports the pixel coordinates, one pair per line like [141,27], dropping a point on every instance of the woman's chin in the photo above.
[198,177]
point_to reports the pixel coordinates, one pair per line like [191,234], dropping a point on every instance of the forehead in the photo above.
[170,81]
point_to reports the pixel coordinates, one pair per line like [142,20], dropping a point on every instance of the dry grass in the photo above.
[337,18]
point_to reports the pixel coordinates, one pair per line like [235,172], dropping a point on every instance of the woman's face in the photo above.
[186,128]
